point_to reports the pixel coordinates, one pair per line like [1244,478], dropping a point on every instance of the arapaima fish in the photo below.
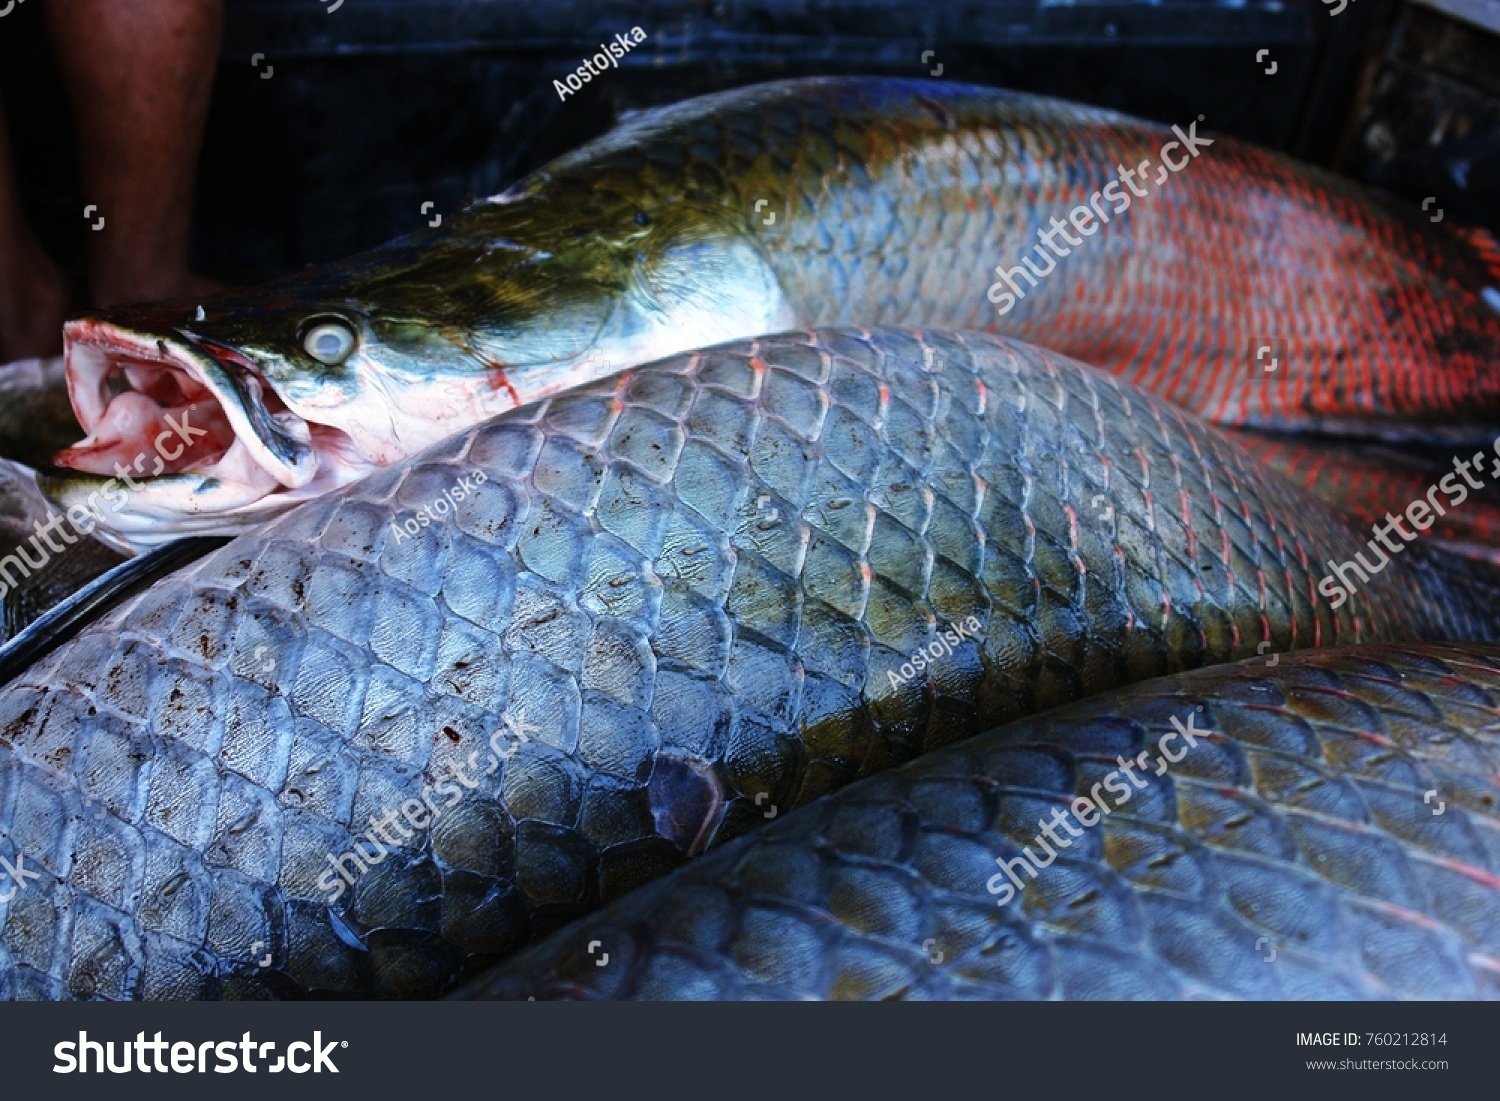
[353,754]
[1227,279]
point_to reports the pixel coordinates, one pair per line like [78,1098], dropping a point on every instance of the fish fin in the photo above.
[687,801]
[1466,568]
[711,280]
[1368,480]
[1482,552]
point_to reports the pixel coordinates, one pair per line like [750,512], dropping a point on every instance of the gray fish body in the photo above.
[1331,833]
[539,664]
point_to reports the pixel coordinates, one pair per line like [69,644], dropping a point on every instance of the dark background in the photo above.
[378,106]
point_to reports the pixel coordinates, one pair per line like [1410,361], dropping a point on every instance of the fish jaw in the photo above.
[275,429]
[183,436]
[187,434]
[162,380]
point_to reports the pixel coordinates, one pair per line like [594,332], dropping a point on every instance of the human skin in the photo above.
[139,74]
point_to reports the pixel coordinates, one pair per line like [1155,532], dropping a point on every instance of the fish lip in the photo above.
[154,518]
[91,346]
[167,507]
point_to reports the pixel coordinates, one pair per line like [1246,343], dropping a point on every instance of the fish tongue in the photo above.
[128,419]
[134,427]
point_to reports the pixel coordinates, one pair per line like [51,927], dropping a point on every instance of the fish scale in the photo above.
[1374,482]
[678,596]
[894,200]
[800,204]
[1293,852]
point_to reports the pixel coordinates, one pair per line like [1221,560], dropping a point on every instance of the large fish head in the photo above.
[207,419]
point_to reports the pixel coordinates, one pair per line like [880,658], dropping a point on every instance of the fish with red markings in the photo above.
[798,203]
[1451,498]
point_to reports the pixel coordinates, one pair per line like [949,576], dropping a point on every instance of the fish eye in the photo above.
[329,341]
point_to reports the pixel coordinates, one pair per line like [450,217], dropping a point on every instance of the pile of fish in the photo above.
[677,487]
[1277,843]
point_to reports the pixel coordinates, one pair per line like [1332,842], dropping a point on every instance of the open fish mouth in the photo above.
[183,435]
